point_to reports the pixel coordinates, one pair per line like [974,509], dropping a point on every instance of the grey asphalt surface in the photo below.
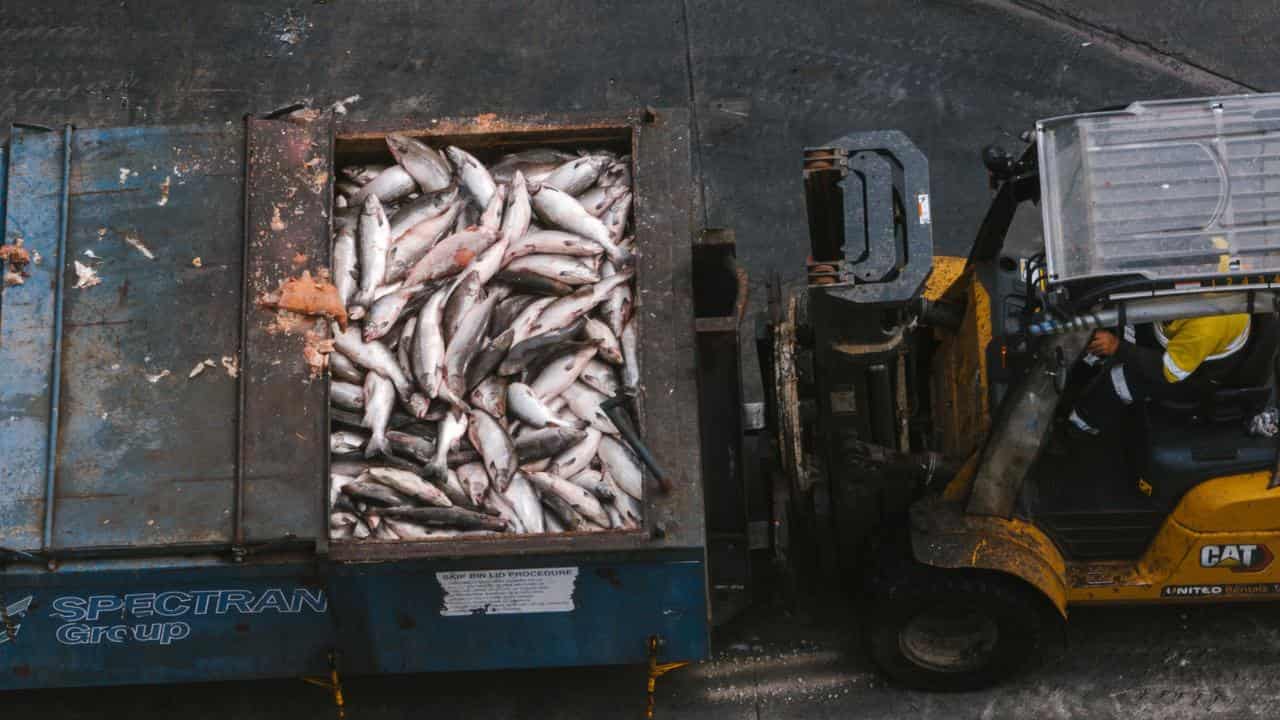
[764,80]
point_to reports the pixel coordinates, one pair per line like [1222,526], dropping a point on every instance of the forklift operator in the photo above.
[1177,359]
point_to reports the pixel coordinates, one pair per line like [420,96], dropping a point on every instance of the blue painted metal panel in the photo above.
[144,463]
[32,216]
[4,174]
[154,626]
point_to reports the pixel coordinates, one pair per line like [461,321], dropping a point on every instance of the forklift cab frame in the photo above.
[933,391]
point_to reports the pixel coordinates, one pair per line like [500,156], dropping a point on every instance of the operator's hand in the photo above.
[1103,343]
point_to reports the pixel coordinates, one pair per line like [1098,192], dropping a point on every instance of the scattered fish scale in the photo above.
[490,316]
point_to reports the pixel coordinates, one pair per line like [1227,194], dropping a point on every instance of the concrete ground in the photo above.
[764,80]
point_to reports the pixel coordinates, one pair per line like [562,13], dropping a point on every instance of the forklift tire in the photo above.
[951,630]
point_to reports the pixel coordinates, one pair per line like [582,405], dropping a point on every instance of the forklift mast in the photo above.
[839,358]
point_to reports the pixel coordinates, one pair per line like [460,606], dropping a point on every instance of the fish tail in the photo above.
[378,445]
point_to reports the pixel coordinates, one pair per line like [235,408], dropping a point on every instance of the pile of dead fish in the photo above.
[490,316]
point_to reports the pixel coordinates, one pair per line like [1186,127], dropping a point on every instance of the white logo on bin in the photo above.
[9,625]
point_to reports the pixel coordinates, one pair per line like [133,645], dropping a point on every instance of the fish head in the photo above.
[401,145]
[372,205]
[376,327]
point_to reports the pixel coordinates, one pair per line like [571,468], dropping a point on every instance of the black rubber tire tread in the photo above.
[900,590]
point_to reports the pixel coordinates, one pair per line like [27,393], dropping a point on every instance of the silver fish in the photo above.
[610,346]
[536,465]
[452,487]
[389,185]
[375,238]
[594,482]
[346,275]
[491,218]
[341,367]
[342,519]
[407,530]
[409,485]
[486,266]
[474,480]
[561,373]
[534,163]
[630,353]
[571,307]
[616,175]
[468,218]
[385,290]
[532,349]
[422,208]
[565,212]
[578,456]
[428,346]
[475,177]
[450,255]
[345,442]
[578,498]
[616,217]
[524,323]
[526,503]
[426,166]
[404,345]
[496,501]
[557,267]
[552,242]
[535,445]
[617,307]
[362,174]
[532,283]
[577,175]
[419,448]
[491,396]
[600,377]
[526,406]
[346,395]
[380,399]
[373,356]
[417,241]
[465,295]
[508,310]
[515,222]
[452,427]
[623,467]
[584,402]
[487,360]
[495,446]
[386,311]
[419,404]
[336,484]
[631,509]
[598,199]
[551,522]
[463,346]
[361,531]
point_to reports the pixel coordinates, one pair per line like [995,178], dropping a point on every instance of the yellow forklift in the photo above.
[915,400]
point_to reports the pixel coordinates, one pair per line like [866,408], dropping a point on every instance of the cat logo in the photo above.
[1240,558]
[9,615]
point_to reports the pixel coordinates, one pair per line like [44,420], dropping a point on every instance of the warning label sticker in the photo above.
[507,592]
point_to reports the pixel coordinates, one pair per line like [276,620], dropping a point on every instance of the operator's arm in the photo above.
[1143,361]
[1146,362]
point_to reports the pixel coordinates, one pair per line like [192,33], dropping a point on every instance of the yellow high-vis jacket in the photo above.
[1192,341]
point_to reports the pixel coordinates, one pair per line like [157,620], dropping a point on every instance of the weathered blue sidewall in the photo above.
[101,626]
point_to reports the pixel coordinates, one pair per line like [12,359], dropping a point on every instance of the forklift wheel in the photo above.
[951,630]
